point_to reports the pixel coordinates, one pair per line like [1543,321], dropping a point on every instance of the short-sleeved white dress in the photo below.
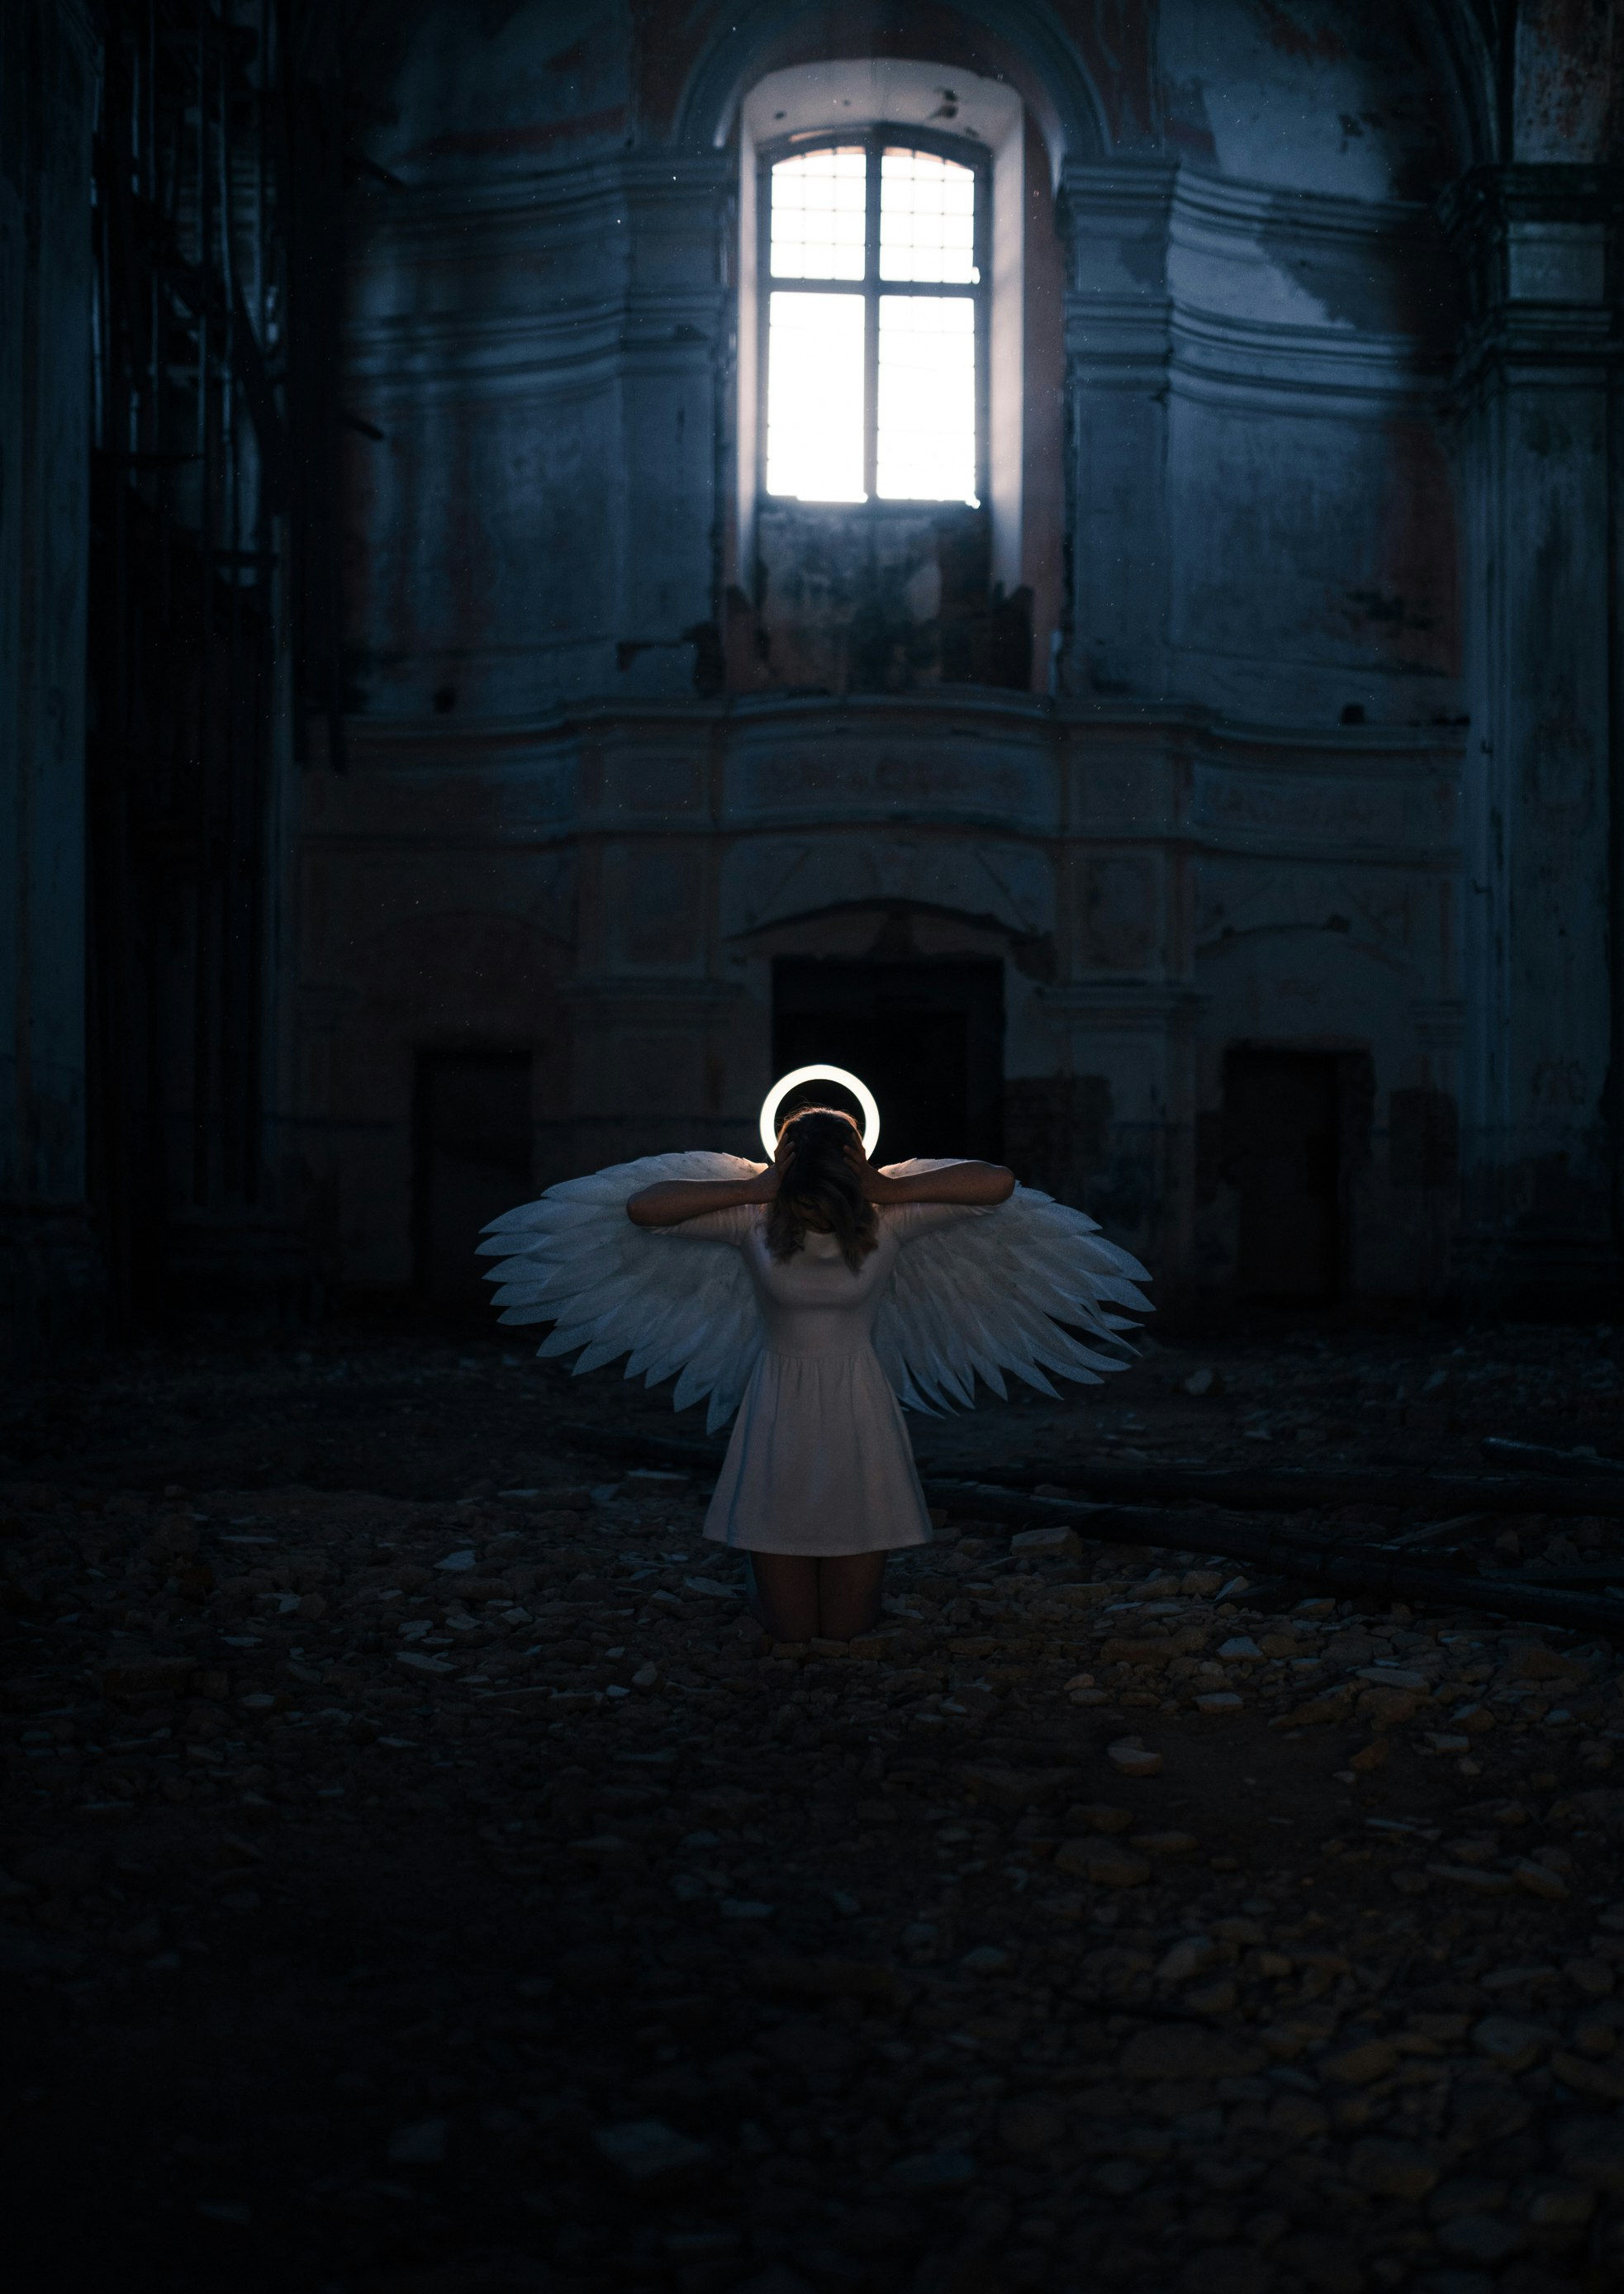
[819,1461]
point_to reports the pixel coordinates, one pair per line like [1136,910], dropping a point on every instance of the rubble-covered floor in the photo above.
[420,1877]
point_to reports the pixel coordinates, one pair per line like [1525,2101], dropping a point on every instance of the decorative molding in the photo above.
[1439,1022]
[607,988]
[1076,124]
[975,712]
[1338,373]
[1137,231]
[1119,186]
[769,878]
[575,193]
[1230,203]
[1141,1005]
[1542,249]
[575,346]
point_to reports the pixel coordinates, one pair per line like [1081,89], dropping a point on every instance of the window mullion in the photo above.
[928,385]
[871,330]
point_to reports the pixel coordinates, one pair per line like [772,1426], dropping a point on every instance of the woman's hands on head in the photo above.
[821,1190]
[672,1201]
[855,1156]
[764,1187]
[979,1186]
[876,1187]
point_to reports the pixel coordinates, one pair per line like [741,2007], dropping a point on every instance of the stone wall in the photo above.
[1207,795]
[610,888]
[1264,714]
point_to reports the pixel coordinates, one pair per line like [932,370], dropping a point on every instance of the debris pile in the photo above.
[419,1891]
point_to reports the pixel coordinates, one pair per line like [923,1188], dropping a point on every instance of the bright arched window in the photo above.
[874,262]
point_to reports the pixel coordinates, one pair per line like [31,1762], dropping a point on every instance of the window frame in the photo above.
[874,138]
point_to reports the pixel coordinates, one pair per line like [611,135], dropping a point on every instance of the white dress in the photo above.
[820,1460]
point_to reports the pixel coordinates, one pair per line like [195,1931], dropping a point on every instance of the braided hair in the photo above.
[818,1188]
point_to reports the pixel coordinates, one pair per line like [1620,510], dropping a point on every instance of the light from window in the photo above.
[927,217]
[820,216]
[872,392]
[927,399]
[815,410]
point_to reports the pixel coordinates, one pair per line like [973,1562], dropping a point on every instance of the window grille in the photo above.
[873,256]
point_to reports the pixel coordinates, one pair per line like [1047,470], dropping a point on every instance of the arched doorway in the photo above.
[925,1035]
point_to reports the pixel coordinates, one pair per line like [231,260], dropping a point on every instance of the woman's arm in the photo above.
[675,1199]
[980,1184]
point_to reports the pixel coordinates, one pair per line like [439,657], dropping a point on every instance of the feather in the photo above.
[976,1292]
[676,1300]
[980,1292]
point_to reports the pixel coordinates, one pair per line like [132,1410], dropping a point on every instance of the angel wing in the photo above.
[677,1300]
[988,1291]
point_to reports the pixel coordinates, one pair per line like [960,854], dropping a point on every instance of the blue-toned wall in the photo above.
[49,1271]
[1292,722]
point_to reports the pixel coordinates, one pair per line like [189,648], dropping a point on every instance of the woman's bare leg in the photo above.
[786,1595]
[849,1590]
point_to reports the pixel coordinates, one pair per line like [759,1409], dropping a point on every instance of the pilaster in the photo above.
[1119,314]
[1537,399]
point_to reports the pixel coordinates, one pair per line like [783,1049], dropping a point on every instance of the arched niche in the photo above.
[987,881]
[1009,40]
[863,92]
[815,608]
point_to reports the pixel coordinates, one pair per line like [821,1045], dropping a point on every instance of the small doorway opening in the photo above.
[1282,1123]
[925,1035]
[472,1158]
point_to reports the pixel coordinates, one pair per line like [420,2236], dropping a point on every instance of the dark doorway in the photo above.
[473,1161]
[1282,1122]
[926,1036]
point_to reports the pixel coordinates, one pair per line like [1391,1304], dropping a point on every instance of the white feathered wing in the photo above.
[989,1291]
[986,1292]
[677,1302]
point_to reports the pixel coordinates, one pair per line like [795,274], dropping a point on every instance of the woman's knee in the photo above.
[787,1595]
[849,1591]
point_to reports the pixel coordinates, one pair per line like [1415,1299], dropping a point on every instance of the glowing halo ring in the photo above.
[859,1091]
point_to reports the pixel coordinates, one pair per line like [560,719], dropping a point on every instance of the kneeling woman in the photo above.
[819,1482]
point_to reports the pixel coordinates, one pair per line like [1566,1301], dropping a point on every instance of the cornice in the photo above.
[1558,348]
[1543,252]
[1112,1001]
[1265,361]
[1232,204]
[677,325]
[1071,731]
[1123,186]
[1550,192]
[431,203]
[1145,187]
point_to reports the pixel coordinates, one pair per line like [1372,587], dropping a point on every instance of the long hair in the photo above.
[818,1188]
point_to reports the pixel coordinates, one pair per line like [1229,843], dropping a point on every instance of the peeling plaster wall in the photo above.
[1538,393]
[1568,81]
[1235,802]
[1305,95]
